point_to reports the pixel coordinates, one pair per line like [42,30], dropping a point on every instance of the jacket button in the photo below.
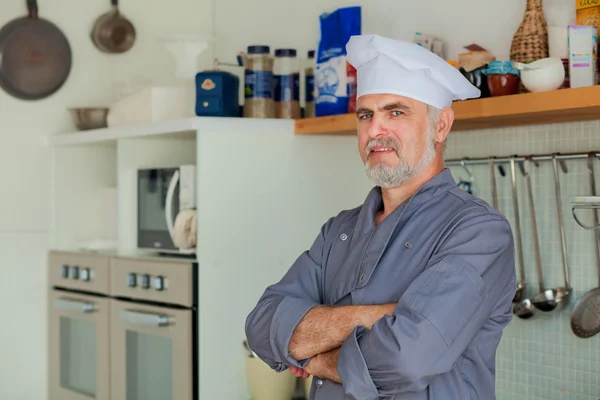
[319,383]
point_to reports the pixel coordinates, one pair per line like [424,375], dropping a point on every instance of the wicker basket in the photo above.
[530,42]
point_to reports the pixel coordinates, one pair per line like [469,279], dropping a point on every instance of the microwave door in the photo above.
[153,192]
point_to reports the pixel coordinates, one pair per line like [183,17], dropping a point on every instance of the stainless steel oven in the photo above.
[162,194]
[78,327]
[122,328]
[154,339]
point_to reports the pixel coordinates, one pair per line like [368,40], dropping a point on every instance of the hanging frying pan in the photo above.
[35,56]
[113,33]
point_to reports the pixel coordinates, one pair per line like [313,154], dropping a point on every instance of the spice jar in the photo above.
[503,79]
[258,83]
[287,84]
[309,86]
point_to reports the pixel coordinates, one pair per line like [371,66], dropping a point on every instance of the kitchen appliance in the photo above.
[122,328]
[163,193]
[153,324]
[217,94]
[78,327]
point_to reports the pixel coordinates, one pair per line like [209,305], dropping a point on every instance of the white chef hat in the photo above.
[390,66]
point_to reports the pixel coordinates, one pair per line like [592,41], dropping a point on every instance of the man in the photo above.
[406,296]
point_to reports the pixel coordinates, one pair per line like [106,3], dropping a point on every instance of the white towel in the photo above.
[184,229]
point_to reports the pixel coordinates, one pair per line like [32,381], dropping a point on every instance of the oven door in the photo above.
[78,346]
[151,352]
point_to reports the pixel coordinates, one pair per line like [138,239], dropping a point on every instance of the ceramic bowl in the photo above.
[550,75]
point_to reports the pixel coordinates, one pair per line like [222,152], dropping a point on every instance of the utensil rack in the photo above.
[532,157]
[577,202]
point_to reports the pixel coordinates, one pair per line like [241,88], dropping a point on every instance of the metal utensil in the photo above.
[494,187]
[525,309]
[113,33]
[585,319]
[89,118]
[35,56]
[521,284]
[558,298]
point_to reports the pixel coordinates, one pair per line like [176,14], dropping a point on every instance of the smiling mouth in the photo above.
[381,150]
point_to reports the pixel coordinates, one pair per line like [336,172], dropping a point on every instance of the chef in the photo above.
[406,296]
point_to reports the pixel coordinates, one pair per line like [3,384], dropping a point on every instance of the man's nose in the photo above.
[377,127]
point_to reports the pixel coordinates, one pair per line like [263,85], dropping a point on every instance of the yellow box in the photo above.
[588,12]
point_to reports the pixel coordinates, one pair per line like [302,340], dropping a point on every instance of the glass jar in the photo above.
[503,78]
[287,84]
[309,86]
[258,83]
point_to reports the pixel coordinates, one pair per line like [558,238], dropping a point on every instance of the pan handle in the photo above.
[32,7]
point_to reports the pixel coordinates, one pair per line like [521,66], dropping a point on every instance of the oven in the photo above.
[122,328]
[154,339]
[78,327]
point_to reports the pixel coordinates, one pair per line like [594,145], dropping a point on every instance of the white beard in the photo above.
[387,176]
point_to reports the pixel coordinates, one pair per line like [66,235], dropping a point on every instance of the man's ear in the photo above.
[444,124]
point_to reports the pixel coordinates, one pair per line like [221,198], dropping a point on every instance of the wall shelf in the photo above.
[186,128]
[565,105]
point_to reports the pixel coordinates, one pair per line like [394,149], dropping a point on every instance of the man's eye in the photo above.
[397,113]
[365,116]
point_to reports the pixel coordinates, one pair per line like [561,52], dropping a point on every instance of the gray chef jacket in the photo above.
[445,257]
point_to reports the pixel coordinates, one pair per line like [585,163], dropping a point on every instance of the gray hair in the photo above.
[433,115]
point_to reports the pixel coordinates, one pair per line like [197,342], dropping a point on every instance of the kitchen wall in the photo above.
[542,358]
[25,200]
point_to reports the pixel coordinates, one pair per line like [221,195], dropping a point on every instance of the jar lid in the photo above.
[501,68]
[259,49]
[311,54]
[285,53]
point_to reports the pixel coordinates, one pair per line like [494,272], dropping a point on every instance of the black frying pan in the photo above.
[35,56]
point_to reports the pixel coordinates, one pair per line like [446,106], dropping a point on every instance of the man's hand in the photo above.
[325,366]
[299,372]
[324,328]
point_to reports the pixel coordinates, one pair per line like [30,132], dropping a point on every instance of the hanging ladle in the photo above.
[585,320]
[521,285]
[525,309]
[557,299]
[494,187]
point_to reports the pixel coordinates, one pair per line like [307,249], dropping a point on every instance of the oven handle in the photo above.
[74,305]
[147,319]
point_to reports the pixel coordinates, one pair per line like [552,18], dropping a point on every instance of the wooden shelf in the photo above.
[557,106]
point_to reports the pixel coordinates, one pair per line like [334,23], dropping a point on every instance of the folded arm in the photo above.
[325,328]
[470,280]
[289,325]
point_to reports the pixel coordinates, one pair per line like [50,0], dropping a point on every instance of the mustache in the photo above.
[387,142]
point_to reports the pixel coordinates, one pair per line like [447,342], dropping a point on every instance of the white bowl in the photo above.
[550,75]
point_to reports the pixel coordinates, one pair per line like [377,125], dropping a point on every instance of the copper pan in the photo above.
[113,33]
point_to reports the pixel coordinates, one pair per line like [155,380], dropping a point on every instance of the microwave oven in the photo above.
[162,194]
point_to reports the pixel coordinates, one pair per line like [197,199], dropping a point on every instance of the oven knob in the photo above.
[64,271]
[85,274]
[75,272]
[158,282]
[131,280]
[145,281]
